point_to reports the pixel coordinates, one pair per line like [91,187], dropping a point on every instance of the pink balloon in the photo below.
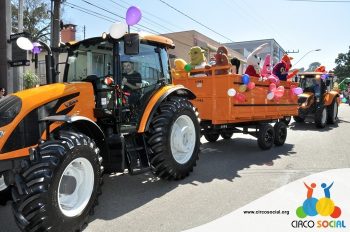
[133,15]
[281,89]
[278,94]
[251,85]
[273,79]
[272,87]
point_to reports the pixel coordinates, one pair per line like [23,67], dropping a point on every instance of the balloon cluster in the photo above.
[247,85]
[119,29]
[275,92]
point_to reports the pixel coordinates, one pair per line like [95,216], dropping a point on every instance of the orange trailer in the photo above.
[223,115]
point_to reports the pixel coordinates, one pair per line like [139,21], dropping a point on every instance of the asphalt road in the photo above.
[228,175]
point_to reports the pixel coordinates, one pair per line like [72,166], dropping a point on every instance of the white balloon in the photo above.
[270,96]
[231,92]
[118,30]
[24,43]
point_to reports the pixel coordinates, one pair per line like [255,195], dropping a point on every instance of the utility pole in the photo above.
[84,30]
[18,71]
[56,30]
[5,47]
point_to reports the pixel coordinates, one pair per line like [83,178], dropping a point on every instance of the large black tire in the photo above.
[332,114]
[60,186]
[174,139]
[5,191]
[321,117]
[280,133]
[226,134]
[266,136]
[298,119]
[286,119]
[212,137]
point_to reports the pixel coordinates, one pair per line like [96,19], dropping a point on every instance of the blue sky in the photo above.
[295,25]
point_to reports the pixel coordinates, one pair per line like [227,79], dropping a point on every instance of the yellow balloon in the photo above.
[242,88]
[325,206]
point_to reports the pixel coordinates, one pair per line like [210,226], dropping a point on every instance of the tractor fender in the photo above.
[157,99]
[329,97]
[83,124]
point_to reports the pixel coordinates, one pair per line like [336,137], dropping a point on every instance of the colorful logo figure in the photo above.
[323,206]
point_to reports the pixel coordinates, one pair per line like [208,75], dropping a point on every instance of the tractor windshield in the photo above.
[310,84]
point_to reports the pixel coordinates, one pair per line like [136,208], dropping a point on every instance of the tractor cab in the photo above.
[125,73]
[318,99]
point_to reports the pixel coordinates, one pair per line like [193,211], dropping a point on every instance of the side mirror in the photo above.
[131,44]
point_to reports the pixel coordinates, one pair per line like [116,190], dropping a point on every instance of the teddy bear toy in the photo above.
[221,59]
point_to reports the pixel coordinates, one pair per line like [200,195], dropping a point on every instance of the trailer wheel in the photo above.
[298,119]
[5,191]
[266,136]
[59,188]
[280,133]
[174,139]
[321,117]
[226,134]
[212,138]
[332,112]
[286,120]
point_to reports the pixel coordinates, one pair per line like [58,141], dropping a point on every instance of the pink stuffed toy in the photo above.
[266,69]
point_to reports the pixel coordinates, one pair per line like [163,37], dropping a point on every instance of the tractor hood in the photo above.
[21,112]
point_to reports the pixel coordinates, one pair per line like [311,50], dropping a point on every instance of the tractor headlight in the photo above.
[10,106]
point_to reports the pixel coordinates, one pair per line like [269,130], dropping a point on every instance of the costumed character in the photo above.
[197,61]
[321,69]
[253,61]
[266,68]
[287,60]
[179,65]
[221,60]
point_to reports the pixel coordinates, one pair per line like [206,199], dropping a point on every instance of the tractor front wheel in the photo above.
[321,117]
[59,186]
[332,112]
[174,139]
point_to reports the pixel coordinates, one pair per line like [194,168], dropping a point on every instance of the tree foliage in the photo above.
[342,70]
[36,18]
[313,66]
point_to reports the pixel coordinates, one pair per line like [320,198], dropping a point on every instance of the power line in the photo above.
[195,20]
[330,1]
[87,11]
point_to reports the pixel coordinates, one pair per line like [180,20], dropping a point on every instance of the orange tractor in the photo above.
[318,100]
[248,112]
[57,140]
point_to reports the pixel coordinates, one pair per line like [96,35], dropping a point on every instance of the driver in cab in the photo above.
[131,81]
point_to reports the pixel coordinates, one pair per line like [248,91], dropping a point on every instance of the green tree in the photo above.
[313,66]
[342,70]
[36,18]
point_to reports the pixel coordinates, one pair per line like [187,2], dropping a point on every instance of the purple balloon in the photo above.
[36,48]
[298,90]
[133,15]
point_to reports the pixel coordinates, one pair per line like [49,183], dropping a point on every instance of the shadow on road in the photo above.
[220,160]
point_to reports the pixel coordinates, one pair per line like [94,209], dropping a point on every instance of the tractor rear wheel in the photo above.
[212,137]
[226,134]
[332,112]
[174,139]
[59,186]
[321,117]
[280,133]
[266,136]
